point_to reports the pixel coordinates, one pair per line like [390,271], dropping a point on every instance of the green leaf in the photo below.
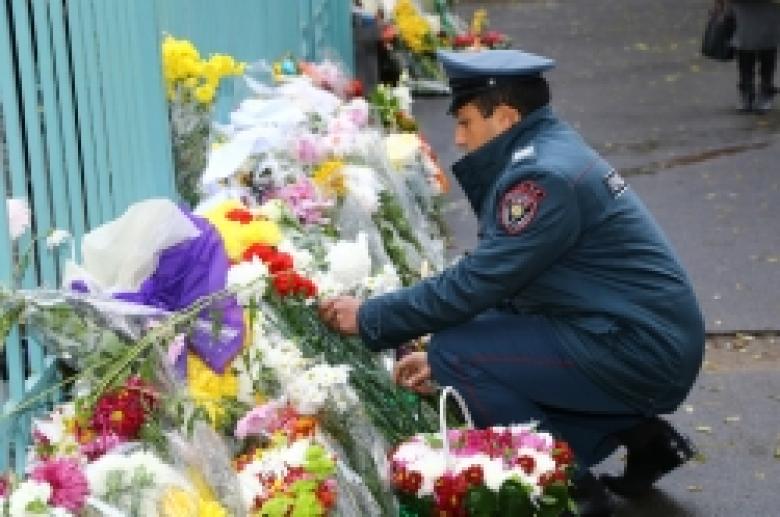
[481,502]
[513,499]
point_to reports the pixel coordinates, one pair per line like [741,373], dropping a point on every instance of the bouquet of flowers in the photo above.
[478,36]
[514,470]
[192,84]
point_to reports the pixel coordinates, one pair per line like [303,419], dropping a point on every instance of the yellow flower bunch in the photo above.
[207,387]
[479,21]
[414,30]
[329,178]
[239,229]
[199,78]
[177,502]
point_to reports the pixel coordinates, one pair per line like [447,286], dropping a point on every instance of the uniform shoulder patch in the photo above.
[518,206]
[615,183]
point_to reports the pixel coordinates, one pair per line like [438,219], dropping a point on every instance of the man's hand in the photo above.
[340,314]
[414,373]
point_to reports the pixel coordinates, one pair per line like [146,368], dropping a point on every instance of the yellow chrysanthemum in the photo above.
[413,29]
[182,64]
[238,236]
[177,502]
[211,508]
[204,93]
[329,178]
[207,387]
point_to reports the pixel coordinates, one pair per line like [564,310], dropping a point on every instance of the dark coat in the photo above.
[562,236]
[758,24]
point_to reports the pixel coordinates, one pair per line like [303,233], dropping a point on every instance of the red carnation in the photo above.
[527,463]
[474,475]
[123,411]
[280,262]
[239,215]
[261,251]
[463,40]
[284,283]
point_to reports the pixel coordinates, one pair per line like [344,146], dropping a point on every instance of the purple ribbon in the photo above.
[187,271]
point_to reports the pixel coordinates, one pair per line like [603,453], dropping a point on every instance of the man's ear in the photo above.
[507,116]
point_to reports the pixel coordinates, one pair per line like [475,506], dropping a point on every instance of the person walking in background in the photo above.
[756,40]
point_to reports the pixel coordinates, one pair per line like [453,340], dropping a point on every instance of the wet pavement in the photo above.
[631,79]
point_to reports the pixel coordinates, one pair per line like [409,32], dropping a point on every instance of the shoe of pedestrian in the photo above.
[655,448]
[746,101]
[765,99]
[591,498]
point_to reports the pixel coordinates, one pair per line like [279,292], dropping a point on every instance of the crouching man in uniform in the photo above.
[573,309]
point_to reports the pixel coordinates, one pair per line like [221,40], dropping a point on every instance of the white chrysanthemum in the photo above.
[363,185]
[56,238]
[97,472]
[26,493]
[311,389]
[245,274]
[349,263]
[303,260]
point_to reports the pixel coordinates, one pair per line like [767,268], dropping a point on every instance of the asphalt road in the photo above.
[631,79]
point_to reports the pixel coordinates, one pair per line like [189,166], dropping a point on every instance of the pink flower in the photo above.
[175,349]
[100,445]
[5,487]
[303,201]
[308,148]
[262,419]
[69,487]
[18,217]
[357,111]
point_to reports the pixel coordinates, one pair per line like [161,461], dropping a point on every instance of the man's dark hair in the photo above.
[525,95]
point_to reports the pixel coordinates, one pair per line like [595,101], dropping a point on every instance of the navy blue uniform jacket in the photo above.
[562,236]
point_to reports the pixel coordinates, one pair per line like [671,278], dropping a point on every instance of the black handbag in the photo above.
[718,34]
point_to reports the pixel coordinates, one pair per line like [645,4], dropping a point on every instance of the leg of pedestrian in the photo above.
[767,91]
[746,61]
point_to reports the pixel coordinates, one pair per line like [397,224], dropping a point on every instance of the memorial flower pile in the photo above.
[204,382]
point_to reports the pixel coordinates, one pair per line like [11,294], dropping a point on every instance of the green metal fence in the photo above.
[84,127]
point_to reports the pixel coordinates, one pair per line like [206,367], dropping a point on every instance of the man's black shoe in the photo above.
[591,498]
[655,448]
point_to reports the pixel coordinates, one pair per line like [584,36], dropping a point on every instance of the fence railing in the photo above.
[84,126]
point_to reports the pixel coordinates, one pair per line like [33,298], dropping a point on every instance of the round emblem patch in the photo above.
[519,205]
